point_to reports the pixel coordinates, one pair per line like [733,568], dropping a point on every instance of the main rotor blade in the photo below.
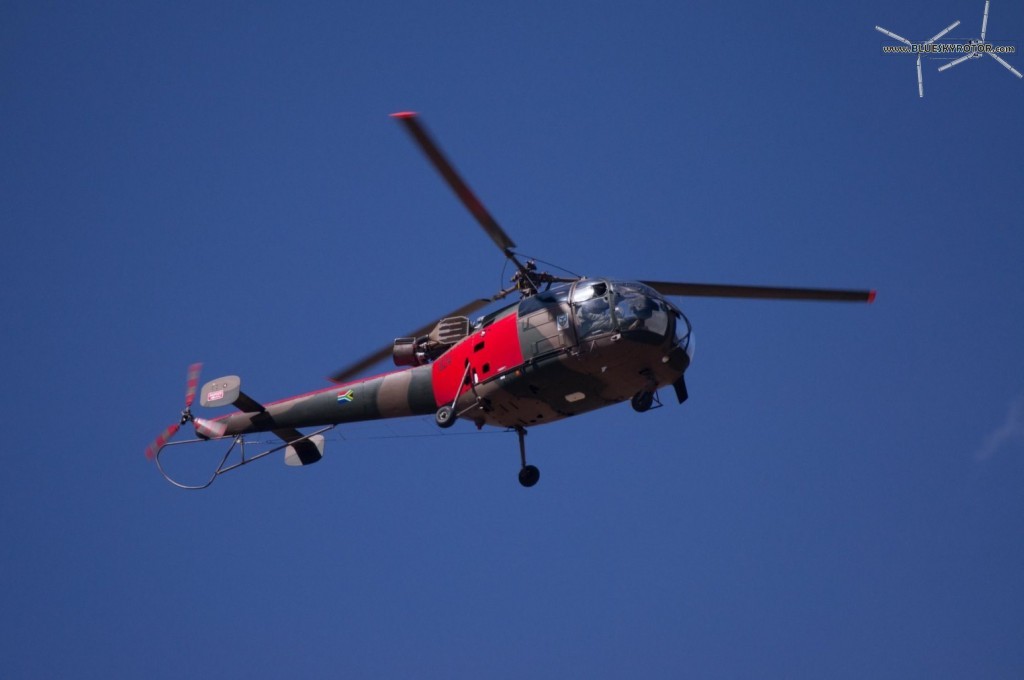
[956,61]
[894,36]
[984,22]
[943,32]
[1001,61]
[760,292]
[920,80]
[379,355]
[455,181]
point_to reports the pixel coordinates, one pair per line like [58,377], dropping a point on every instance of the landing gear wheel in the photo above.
[642,401]
[445,416]
[529,476]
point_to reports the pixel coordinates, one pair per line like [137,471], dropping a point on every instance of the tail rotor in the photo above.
[191,385]
[190,391]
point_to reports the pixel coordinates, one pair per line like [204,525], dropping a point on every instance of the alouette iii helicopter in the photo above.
[567,346]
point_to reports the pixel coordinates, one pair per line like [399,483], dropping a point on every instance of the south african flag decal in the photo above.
[346,397]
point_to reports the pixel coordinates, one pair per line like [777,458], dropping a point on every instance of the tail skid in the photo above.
[290,447]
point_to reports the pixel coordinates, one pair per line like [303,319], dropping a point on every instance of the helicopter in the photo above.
[567,346]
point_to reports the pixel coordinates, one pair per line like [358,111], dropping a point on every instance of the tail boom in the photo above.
[408,392]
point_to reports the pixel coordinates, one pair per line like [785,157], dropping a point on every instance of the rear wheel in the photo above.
[445,416]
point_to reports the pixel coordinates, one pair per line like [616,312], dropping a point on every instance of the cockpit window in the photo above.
[587,290]
[636,288]
[592,309]
[594,317]
[684,331]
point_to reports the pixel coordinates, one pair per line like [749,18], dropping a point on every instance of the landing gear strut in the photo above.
[528,474]
[645,399]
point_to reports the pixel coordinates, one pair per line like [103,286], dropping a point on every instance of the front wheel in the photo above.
[529,475]
[642,401]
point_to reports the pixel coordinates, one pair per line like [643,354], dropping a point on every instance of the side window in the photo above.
[592,310]
[586,290]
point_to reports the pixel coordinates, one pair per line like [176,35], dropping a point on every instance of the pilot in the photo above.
[594,316]
[634,311]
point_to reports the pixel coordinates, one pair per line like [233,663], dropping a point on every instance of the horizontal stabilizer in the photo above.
[227,391]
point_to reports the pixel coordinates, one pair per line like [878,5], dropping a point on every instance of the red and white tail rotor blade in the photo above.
[161,440]
[193,383]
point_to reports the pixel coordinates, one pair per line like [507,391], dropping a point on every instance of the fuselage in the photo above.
[568,350]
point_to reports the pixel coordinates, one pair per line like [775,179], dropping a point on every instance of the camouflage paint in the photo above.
[524,367]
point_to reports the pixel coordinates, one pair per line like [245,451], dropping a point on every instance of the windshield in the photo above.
[601,307]
[638,308]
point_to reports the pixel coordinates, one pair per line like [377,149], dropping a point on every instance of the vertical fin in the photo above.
[680,388]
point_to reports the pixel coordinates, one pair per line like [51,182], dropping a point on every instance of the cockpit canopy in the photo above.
[599,307]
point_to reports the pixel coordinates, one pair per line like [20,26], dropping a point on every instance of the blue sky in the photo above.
[839,498]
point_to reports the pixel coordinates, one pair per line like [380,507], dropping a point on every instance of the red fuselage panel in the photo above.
[487,352]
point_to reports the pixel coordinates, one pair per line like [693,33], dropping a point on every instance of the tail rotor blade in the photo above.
[192,383]
[161,440]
